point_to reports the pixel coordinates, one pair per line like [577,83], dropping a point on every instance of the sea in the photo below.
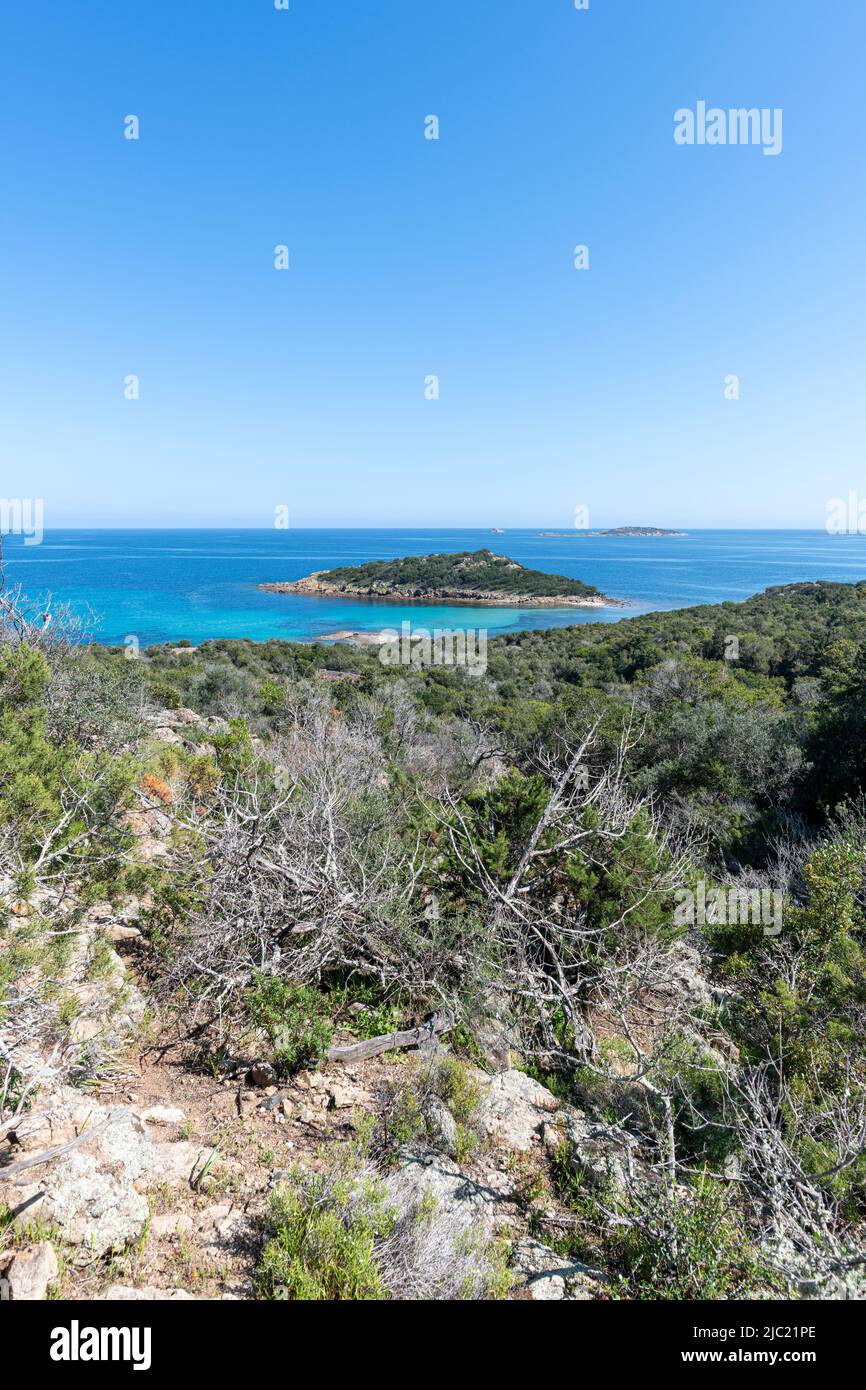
[197,585]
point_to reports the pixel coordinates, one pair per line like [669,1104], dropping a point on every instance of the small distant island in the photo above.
[617,531]
[477,576]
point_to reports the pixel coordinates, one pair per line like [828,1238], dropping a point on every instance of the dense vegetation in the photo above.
[478,571]
[515,848]
[751,713]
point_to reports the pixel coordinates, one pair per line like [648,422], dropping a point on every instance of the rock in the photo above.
[42,1130]
[148,848]
[84,1029]
[262,1074]
[804,1276]
[212,1216]
[171,1223]
[183,715]
[495,1045]
[121,1293]
[223,1219]
[99,912]
[31,1271]
[164,1115]
[310,1115]
[91,1206]
[597,1153]
[117,932]
[687,976]
[513,1110]
[441,1126]
[95,1193]
[433,1175]
[549,1277]
[166,735]
[181,1164]
[345,1096]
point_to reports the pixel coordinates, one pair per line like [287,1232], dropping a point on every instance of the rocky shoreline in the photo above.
[314,585]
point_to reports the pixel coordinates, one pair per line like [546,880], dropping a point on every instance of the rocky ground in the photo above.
[168,1173]
[165,1174]
[153,1178]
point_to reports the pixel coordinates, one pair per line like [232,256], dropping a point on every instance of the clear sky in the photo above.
[411,257]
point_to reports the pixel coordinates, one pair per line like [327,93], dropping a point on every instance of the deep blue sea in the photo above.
[163,586]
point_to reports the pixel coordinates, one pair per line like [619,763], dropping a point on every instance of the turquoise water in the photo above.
[163,586]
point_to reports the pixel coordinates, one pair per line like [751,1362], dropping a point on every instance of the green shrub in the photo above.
[688,1245]
[350,1233]
[296,1018]
[323,1231]
[404,1121]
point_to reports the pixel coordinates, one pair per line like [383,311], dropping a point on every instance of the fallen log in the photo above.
[409,1037]
[11,1170]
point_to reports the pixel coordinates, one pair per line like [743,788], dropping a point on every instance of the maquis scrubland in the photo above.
[324,979]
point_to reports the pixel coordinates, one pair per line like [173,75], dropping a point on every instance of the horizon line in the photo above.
[567,534]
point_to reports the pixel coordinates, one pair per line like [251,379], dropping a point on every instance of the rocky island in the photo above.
[478,577]
[618,531]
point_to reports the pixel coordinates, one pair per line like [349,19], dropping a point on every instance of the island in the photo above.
[616,531]
[478,577]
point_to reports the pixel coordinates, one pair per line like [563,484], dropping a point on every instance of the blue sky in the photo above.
[558,388]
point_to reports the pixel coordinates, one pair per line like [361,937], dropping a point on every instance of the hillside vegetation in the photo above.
[215,850]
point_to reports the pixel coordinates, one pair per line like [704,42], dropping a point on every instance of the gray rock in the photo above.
[166,735]
[434,1175]
[346,1096]
[116,931]
[91,1206]
[498,1044]
[599,1154]
[31,1272]
[164,1115]
[513,1110]
[441,1126]
[686,976]
[94,1193]
[549,1277]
